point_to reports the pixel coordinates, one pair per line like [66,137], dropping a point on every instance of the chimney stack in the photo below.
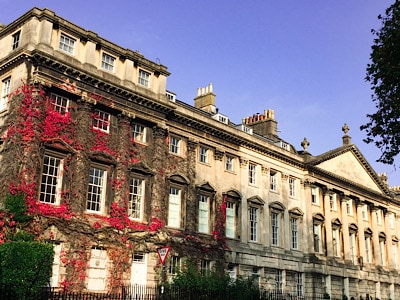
[263,124]
[205,99]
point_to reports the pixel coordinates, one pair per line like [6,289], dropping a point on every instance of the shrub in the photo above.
[25,267]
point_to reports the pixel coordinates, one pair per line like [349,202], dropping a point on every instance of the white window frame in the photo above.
[230,219]
[292,187]
[368,254]
[97,272]
[175,265]
[101,120]
[299,284]
[382,252]
[175,145]
[51,179]
[294,229]
[349,207]
[67,44]
[232,271]
[378,214]
[336,245]
[391,220]
[5,92]
[59,103]
[364,212]
[353,249]
[315,195]
[273,181]
[204,214]
[139,133]
[16,38]
[252,173]
[317,233]
[253,224]
[229,163]
[333,202]
[97,187]
[144,78]
[395,255]
[174,207]
[275,228]
[203,155]
[108,62]
[136,198]
[278,281]
[205,266]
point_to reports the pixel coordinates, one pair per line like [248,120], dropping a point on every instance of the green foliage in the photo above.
[215,284]
[26,267]
[22,236]
[383,72]
[16,205]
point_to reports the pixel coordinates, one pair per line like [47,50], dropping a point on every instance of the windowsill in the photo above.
[230,172]
[206,164]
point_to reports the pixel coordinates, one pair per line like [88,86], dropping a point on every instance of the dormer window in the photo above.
[67,44]
[15,40]
[144,78]
[107,62]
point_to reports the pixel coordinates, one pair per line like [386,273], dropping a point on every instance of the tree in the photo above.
[383,72]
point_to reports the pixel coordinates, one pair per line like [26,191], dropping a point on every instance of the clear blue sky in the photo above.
[305,59]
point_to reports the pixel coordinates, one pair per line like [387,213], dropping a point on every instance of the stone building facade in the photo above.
[114,167]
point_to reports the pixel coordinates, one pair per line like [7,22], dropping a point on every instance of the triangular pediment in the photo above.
[350,164]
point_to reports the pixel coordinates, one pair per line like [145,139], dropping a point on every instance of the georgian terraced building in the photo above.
[114,166]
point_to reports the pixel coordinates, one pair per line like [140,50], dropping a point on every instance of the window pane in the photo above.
[50,179]
[95,190]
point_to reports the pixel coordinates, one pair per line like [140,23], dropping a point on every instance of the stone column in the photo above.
[192,202]
[361,237]
[345,228]
[375,237]
[328,223]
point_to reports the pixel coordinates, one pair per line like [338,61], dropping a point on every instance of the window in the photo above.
[336,242]
[107,62]
[278,281]
[203,155]
[204,213]
[174,265]
[391,221]
[135,205]
[230,220]
[175,145]
[101,120]
[364,212]
[394,253]
[292,187]
[144,78]
[174,208]
[273,181]
[299,284]
[67,44]
[315,195]
[96,190]
[382,252]
[333,202]
[295,232]
[378,216]
[229,163]
[275,228]
[205,267]
[349,207]
[59,104]
[317,238]
[5,91]
[232,271]
[353,250]
[253,219]
[139,133]
[15,40]
[368,254]
[252,173]
[139,257]
[50,187]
